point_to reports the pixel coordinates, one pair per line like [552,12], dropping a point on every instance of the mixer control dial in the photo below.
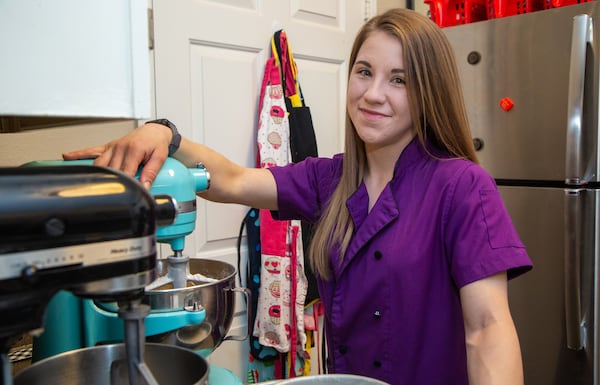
[29,274]
[201,177]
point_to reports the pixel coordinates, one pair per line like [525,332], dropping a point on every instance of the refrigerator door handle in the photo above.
[582,35]
[572,261]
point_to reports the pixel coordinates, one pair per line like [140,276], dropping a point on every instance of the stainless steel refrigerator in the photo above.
[531,84]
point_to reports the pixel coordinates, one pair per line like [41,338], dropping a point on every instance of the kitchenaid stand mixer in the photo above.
[85,322]
[212,284]
[85,229]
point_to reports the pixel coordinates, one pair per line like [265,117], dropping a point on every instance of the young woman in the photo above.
[413,245]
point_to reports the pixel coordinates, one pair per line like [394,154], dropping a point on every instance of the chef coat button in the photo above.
[378,255]
[377,314]
[343,349]
[377,364]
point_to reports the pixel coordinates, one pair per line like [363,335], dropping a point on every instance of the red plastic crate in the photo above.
[447,13]
[563,3]
[503,8]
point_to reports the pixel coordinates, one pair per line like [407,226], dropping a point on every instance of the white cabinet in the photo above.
[74,58]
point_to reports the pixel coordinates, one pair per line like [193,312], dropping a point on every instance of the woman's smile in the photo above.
[372,114]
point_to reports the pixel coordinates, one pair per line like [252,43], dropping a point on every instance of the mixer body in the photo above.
[86,229]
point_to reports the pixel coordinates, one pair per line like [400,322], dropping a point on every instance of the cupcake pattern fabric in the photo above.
[279,320]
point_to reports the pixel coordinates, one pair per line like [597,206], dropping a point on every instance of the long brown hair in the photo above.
[435,98]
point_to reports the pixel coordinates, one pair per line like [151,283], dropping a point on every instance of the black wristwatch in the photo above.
[175,139]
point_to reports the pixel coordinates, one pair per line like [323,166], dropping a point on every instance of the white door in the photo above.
[209,57]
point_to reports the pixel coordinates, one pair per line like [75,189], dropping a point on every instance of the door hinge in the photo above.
[150,29]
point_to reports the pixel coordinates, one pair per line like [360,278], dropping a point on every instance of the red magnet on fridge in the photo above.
[506,104]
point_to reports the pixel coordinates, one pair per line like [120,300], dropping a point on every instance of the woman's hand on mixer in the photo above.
[147,145]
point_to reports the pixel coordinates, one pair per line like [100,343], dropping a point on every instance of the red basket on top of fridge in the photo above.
[563,3]
[503,8]
[447,13]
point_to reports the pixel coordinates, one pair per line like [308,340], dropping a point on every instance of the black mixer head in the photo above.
[86,229]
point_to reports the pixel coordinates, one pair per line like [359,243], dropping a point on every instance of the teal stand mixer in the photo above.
[72,322]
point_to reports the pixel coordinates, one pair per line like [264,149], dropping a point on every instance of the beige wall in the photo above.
[50,143]
[384,5]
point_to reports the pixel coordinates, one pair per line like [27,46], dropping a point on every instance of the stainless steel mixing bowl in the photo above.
[217,298]
[107,365]
[327,379]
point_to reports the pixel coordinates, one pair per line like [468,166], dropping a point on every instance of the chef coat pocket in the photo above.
[500,229]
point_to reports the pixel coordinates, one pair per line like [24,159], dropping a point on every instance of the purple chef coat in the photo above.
[392,308]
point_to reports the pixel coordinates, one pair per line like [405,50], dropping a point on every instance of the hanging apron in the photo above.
[279,322]
[279,344]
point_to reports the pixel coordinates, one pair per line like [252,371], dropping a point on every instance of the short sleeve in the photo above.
[304,188]
[481,239]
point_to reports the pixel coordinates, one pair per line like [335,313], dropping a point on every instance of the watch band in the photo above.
[176,137]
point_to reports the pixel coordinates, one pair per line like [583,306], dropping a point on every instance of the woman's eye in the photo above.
[398,81]
[364,72]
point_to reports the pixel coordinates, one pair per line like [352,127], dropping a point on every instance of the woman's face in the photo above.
[377,99]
